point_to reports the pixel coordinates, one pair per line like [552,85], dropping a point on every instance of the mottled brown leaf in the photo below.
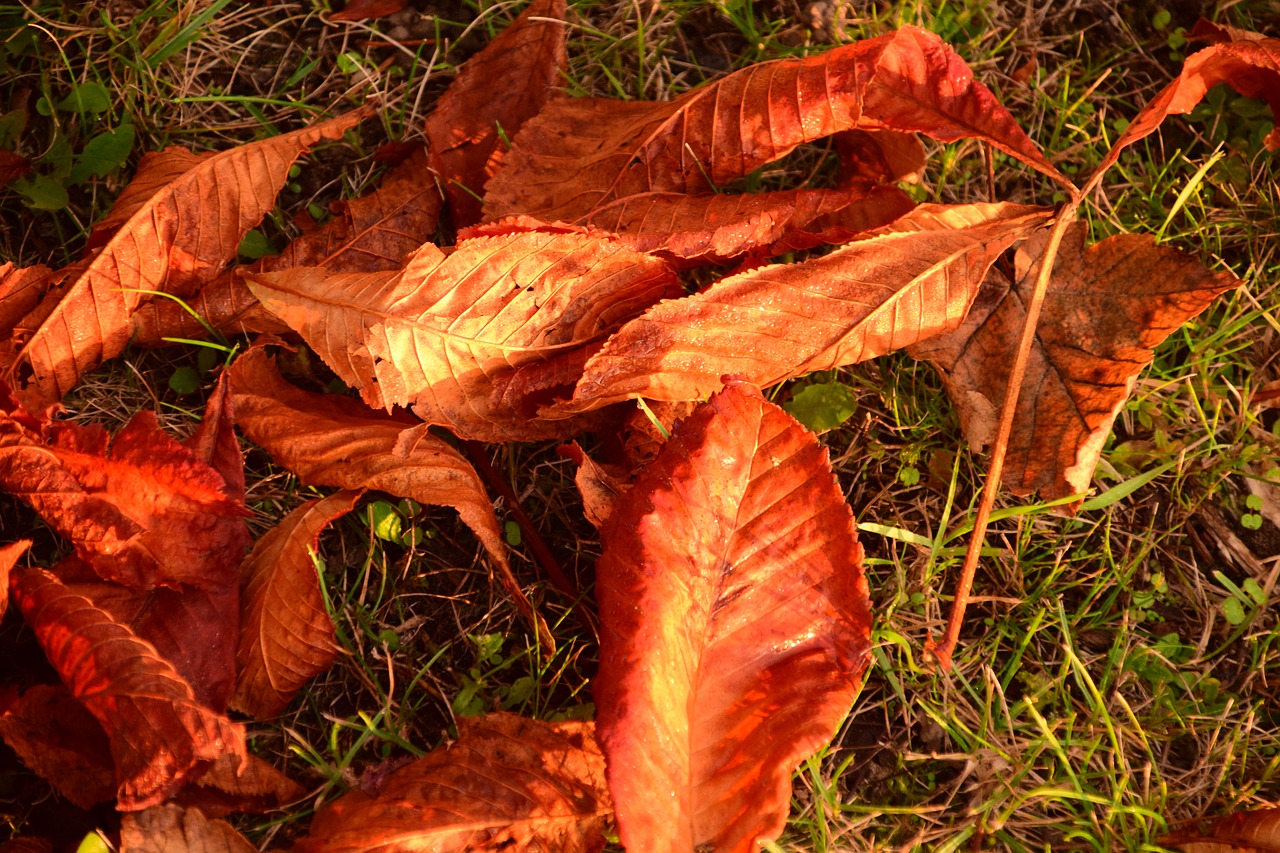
[231,786]
[171,828]
[735,627]
[286,635]
[442,334]
[179,238]
[21,289]
[495,93]
[580,154]
[508,783]
[12,166]
[160,734]
[868,298]
[599,487]
[61,742]
[330,440]
[1107,307]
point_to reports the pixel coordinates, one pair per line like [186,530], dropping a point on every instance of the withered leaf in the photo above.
[140,508]
[9,555]
[1256,831]
[329,440]
[169,243]
[60,741]
[441,335]
[495,93]
[231,786]
[20,291]
[214,441]
[160,734]
[168,828]
[580,154]
[873,296]
[286,636]
[508,783]
[1107,307]
[735,627]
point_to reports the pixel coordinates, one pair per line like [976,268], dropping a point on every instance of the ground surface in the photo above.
[1116,675]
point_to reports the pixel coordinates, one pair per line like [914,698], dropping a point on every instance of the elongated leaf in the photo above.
[441,335]
[180,237]
[9,555]
[859,302]
[736,626]
[160,735]
[580,154]
[328,440]
[509,783]
[495,93]
[1107,307]
[286,634]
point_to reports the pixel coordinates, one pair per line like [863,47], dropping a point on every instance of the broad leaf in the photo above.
[286,635]
[1107,307]
[497,91]
[735,627]
[21,289]
[60,741]
[329,440]
[168,243]
[230,786]
[160,735]
[508,783]
[1256,831]
[441,335]
[168,828]
[580,154]
[9,555]
[912,282]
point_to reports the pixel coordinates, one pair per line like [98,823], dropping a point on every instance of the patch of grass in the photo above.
[1106,686]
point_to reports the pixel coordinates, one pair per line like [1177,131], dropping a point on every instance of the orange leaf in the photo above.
[580,154]
[508,783]
[167,828]
[1255,831]
[286,635]
[170,243]
[328,440]
[214,441]
[1107,307]
[140,507]
[160,735]
[62,743]
[913,281]
[441,335]
[360,10]
[497,91]
[21,289]
[9,555]
[231,786]
[736,626]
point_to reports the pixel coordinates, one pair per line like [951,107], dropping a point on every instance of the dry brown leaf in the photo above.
[231,787]
[508,783]
[171,828]
[441,335]
[598,486]
[580,154]
[60,741]
[286,635]
[178,239]
[495,93]
[161,736]
[863,300]
[1107,306]
[1256,831]
[735,627]
[21,289]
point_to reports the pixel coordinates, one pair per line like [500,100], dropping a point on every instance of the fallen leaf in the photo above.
[363,10]
[233,786]
[735,627]
[906,284]
[61,742]
[168,828]
[329,440]
[580,154]
[508,783]
[879,156]
[598,487]
[12,166]
[495,93]
[441,335]
[167,244]
[9,555]
[1256,831]
[21,289]
[286,635]
[160,735]
[214,441]
[1107,307]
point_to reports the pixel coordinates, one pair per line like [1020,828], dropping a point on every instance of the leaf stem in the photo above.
[943,652]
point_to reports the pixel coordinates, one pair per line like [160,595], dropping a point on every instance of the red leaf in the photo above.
[214,441]
[495,93]
[62,743]
[1255,831]
[21,289]
[9,555]
[1107,307]
[12,166]
[160,735]
[910,282]
[443,334]
[508,783]
[736,626]
[286,634]
[361,10]
[580,154]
